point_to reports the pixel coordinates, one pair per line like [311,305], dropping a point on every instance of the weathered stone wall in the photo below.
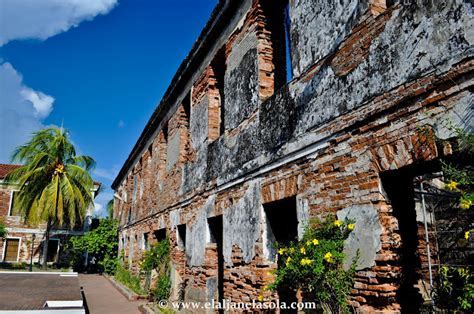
[367,77]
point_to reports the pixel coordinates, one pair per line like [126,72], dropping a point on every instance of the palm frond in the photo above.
[54,183]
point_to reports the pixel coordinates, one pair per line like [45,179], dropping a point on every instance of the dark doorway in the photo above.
[216,236]
[53,248]
[398,186]
[282,228]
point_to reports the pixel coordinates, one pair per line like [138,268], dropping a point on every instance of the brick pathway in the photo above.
[103,298]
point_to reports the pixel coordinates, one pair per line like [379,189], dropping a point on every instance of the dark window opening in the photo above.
[181,236]
[160,234]
[219,68]
[279,22]
[129,218]
[282,221]
[146,244]
[165,132]
[282,228]
[216,236]
[187,109]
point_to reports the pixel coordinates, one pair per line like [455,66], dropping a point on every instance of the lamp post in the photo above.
[32,251]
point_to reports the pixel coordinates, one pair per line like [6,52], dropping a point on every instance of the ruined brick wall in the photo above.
[367,76]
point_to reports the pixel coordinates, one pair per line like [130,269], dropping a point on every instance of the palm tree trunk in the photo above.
[48,229]
[45,245]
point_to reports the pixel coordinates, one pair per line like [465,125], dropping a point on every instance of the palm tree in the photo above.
[54,183]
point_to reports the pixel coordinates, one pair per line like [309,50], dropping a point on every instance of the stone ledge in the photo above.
[126,292]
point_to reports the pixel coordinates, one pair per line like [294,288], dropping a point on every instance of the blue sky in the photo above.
[101,66]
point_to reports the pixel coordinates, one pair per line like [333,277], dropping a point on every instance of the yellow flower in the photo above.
[281,251]
[350,227]
[292,250]
[315,242]
[260,298]
[466,235]
[288,260]
[306,261]
[337,223]
[303,250]
[328,257]
[451,185]
[265,288]
[308,243]
[465,203]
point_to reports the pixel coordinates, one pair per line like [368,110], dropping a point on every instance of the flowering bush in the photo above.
[314,265]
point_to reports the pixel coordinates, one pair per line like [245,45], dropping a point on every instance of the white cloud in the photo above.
[100,203]
[41,19]
[21,110]
[108,174]
[43,103]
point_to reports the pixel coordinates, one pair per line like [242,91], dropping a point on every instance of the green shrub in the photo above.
[456,290]
[158,258]
[100,242]
[109,264]
[314,265]
[162,289]
[128,279]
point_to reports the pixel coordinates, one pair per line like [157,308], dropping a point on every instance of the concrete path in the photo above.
[103,298]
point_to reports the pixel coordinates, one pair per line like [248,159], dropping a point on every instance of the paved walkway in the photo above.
[103,298]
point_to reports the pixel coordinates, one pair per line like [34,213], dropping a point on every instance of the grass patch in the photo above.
[125,277]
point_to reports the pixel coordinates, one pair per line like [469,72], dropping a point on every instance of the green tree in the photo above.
[54,183]
[110,208]
[101,243]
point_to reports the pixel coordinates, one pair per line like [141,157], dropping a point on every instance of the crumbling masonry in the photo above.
[236,150]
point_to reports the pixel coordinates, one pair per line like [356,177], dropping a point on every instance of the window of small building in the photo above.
[181,236]
[11,250]
[14,209]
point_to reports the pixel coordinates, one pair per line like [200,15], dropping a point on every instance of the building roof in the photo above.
[220,16]
[6,168]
